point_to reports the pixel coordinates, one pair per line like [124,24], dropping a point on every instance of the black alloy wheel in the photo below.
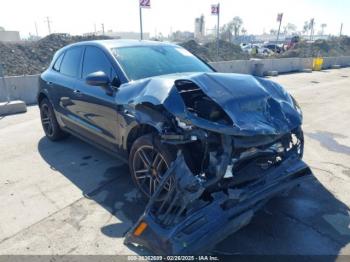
[49,122]
[149,160]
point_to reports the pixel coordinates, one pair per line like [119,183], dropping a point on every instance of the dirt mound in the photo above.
[324,48]
[208,52]
[197,49]
[34,57]
[227,51]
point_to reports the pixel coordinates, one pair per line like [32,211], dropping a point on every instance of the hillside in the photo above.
[34,57]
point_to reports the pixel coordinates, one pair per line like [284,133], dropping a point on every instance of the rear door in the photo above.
[96,108]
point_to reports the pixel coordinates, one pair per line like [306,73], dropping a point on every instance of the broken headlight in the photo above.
[183,125]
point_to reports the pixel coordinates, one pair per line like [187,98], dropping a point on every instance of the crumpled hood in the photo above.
[255,105]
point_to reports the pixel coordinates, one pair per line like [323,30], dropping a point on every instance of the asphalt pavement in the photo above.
[70,198]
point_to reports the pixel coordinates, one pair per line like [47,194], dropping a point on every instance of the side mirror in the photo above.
[98,78]
[116,82]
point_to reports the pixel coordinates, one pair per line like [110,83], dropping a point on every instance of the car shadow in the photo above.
[100,177]
[310,221]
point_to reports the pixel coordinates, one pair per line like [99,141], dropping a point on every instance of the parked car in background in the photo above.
[274,48]
[291,42]
[254,49]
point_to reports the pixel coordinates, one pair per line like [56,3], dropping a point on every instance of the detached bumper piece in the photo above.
[182,217]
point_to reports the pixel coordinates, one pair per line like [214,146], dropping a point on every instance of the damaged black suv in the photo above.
[208,149]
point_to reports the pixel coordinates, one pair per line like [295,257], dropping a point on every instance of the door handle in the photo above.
[49,83]
[77,92]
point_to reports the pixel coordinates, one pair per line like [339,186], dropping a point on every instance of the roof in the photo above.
[113,43]
[117,43]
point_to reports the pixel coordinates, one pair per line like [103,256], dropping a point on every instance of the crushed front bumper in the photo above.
[182,221]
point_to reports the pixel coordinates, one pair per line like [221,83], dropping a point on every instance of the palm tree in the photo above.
[237,23]
[226,32]
[234,26]
[289,28]
[306,27]
[273,32]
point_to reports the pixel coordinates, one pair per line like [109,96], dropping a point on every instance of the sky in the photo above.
[165,16]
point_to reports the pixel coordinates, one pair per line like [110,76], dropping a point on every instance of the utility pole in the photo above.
[95,28]
[103,28]
[143,4]
[141,29]
[279,19]
[36,29]
[341,29]
[215,10]
[48,21]
[218,32]
[312,23]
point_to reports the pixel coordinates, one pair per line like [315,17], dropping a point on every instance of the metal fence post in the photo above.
[4,83]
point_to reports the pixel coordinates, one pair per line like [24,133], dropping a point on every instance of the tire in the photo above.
[49,122]
[148,150]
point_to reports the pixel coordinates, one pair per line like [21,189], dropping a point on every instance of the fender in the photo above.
[142,115]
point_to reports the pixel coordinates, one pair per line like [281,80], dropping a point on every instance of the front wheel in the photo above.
[148,161]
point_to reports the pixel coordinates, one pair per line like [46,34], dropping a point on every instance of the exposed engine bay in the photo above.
[236,149]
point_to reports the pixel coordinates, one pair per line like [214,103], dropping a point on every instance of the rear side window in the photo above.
[95,60]
[58,62]
[70,65]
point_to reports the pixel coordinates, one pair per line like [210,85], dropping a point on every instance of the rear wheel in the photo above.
[49,122]
[148,161]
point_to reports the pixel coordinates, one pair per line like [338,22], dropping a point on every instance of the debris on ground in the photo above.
[208,51]
[229,51]
[323,48]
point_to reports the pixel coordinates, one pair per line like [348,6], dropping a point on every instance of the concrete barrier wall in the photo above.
[25,87]
[344,60]
[286,65]
[282,65]
[328,62]
[235,66]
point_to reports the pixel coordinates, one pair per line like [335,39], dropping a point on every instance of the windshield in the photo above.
[146,61]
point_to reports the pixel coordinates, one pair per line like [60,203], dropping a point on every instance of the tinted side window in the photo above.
[58,62]
[71,62]
[95,60]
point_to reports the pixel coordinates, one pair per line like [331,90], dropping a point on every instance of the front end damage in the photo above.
[236,150]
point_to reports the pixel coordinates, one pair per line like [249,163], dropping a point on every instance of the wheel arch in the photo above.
[148,119]
[41,97]
[138,131]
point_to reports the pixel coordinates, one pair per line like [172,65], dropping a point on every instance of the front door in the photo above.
[97,108]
